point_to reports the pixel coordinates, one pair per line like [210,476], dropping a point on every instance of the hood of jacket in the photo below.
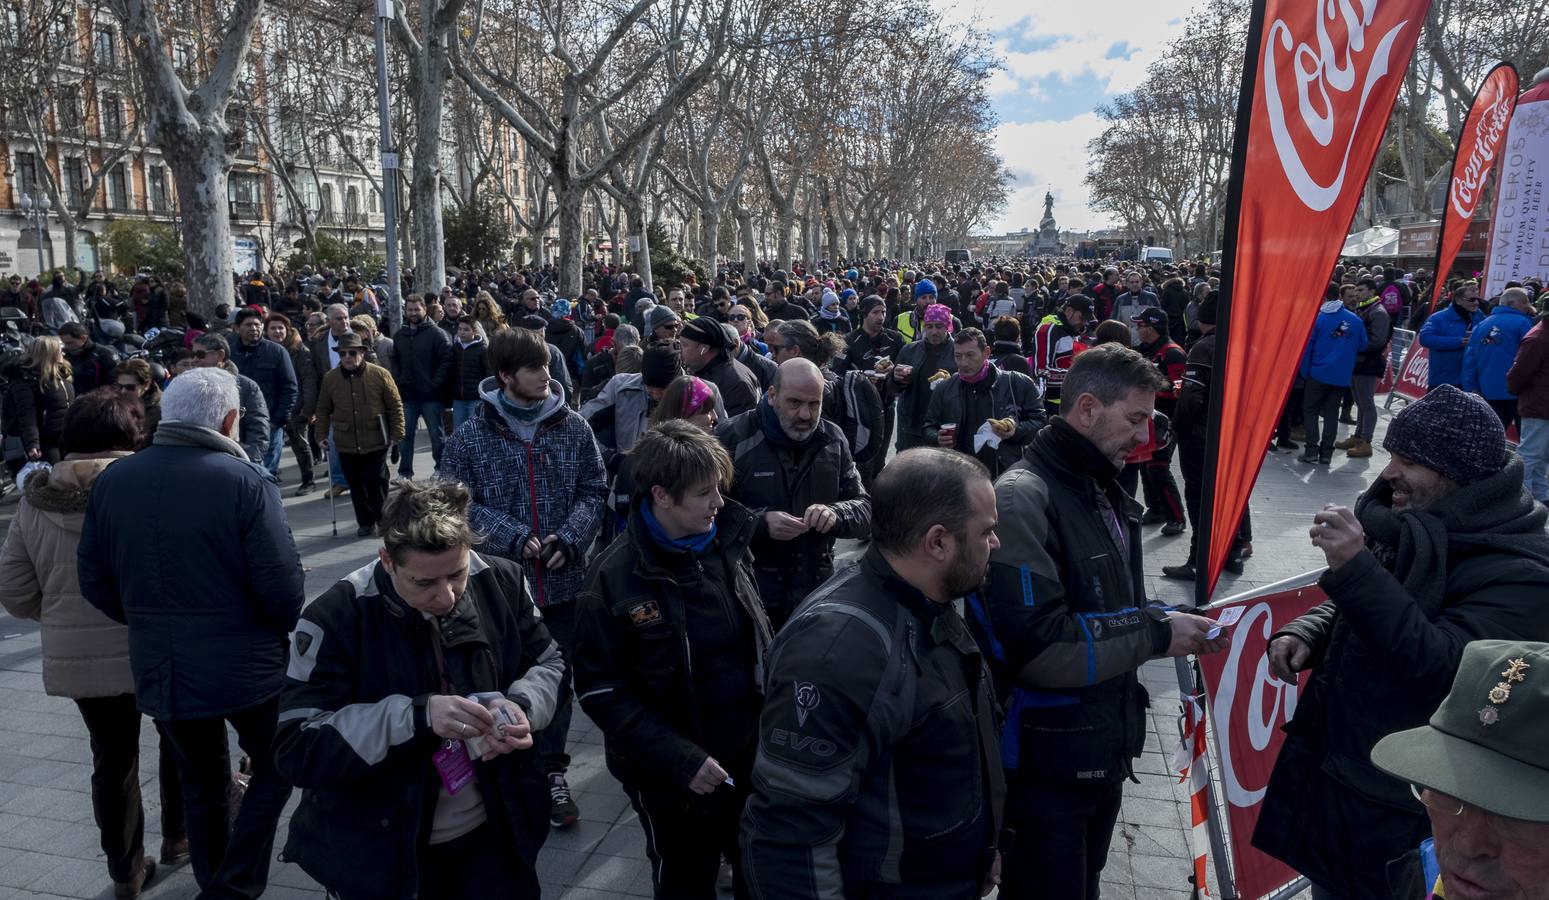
[1330,306]
[489,391]
[60,493]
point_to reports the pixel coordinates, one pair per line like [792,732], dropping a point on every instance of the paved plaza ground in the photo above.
[49,843]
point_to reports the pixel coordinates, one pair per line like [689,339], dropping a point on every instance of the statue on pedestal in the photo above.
[1047,243]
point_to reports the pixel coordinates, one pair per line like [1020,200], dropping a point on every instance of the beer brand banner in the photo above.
[1318,86]
[1247,707]
[1478,143]
[1519,228]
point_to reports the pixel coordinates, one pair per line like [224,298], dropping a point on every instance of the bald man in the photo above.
[794,470]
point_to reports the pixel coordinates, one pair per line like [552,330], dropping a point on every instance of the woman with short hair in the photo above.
[279,328]
[670,635]
[135,378]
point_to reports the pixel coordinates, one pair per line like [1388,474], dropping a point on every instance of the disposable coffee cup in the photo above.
[949,431]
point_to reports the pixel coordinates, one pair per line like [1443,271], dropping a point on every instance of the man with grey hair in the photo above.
[209,597]
[325,358]
[211,352]
[1489,356]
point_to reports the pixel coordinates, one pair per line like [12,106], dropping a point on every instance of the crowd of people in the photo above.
[634,504]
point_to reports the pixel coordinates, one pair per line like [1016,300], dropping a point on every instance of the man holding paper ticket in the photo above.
[1446,548]
[1068,626]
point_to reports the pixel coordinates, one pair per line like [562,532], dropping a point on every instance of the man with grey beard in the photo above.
[1446,548]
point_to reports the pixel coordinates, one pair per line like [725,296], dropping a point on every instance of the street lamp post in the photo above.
[36,211]
[384,14]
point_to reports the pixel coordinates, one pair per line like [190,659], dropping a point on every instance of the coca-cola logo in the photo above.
[1269,703]
[1481,156]
[1326,69]
[1417,368]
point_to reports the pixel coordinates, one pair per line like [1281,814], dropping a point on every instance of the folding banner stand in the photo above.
[1189,685]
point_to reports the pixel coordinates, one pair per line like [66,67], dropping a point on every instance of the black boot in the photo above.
[1181,572]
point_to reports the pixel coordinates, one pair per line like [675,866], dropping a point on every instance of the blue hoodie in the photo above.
[1338,335]
[1492,350]
[1442,334]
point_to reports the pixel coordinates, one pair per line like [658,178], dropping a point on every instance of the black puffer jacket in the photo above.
[468,369]
[634,669]
[269,366]
[1385,649]
[422,362]
[738,386]
[93,366]
[1065,615]
[354,734]
[771,478]
[34,413]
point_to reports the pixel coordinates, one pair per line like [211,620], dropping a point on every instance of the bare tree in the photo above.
[189,125]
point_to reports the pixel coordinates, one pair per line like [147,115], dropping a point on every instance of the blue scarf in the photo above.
[769,422]
[694,543]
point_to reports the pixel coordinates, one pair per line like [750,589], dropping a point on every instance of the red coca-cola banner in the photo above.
[1474,159]
[1415,375]
[1247,708]
[1318,86]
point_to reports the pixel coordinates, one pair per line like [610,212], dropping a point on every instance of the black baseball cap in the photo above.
[1152,316]
[1079,302]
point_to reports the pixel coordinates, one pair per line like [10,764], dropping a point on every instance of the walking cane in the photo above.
[332,515]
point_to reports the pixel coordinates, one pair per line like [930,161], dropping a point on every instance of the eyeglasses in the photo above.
[1437,801]
[349,352]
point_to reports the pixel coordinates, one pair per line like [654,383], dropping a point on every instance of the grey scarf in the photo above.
[1494,513]
[187,434]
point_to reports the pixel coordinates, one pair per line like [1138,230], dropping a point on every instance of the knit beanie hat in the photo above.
[659,366]
[925,286]
[871,303]
[706,331]
[659,316]
[1452,432]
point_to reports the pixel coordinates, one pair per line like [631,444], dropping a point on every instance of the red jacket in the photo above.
[1528,376]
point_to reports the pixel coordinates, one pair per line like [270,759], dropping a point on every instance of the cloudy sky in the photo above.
[1062,59]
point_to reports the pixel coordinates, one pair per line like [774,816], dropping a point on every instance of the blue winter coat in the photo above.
[209,588]
[1492,350]
[555,484]
[269,365]
[1338,336]
[1442,334]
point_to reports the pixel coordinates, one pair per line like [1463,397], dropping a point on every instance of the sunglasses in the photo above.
[201,354]
[739,318]
[349,353]
[127,387]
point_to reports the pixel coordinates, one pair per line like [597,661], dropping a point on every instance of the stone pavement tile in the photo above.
[27,867]
[612,873]
[75,878]
[1152,873]
[1148,812]
[1153,840]
[1114,891]
[52,803]
[625,839]
[558,865]
[586,893]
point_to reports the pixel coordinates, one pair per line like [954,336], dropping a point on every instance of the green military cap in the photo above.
[1488,743]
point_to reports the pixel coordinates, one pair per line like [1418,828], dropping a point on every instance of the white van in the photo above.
[959,257]
[1156,254]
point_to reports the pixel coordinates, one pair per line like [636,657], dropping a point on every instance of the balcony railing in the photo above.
[245,209]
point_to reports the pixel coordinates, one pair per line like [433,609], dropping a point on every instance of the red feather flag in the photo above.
[1318,86]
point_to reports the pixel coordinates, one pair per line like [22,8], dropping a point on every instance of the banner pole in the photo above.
[1188,683]
[1204,579]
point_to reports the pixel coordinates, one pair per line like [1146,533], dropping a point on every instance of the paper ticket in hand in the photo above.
[1226,619]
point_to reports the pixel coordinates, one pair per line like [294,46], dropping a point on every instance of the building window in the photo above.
[375,201]
[104,48]
[183,56]
[118,188]
[160,198]
[27,174]
[244,193]
[75,182]
[325,207]
[68,109]
[62,34]
[112,116]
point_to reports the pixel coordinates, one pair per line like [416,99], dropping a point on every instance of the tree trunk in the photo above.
[200,174]
[710,217]
[783,239]
[638,221]
[68,227]
[570,240]
[425,189]
[749,248]
[614,235]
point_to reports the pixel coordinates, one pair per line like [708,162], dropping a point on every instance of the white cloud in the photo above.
[1047,48]
[1048,156]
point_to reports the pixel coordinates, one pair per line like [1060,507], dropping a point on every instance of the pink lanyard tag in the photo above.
[454,766]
